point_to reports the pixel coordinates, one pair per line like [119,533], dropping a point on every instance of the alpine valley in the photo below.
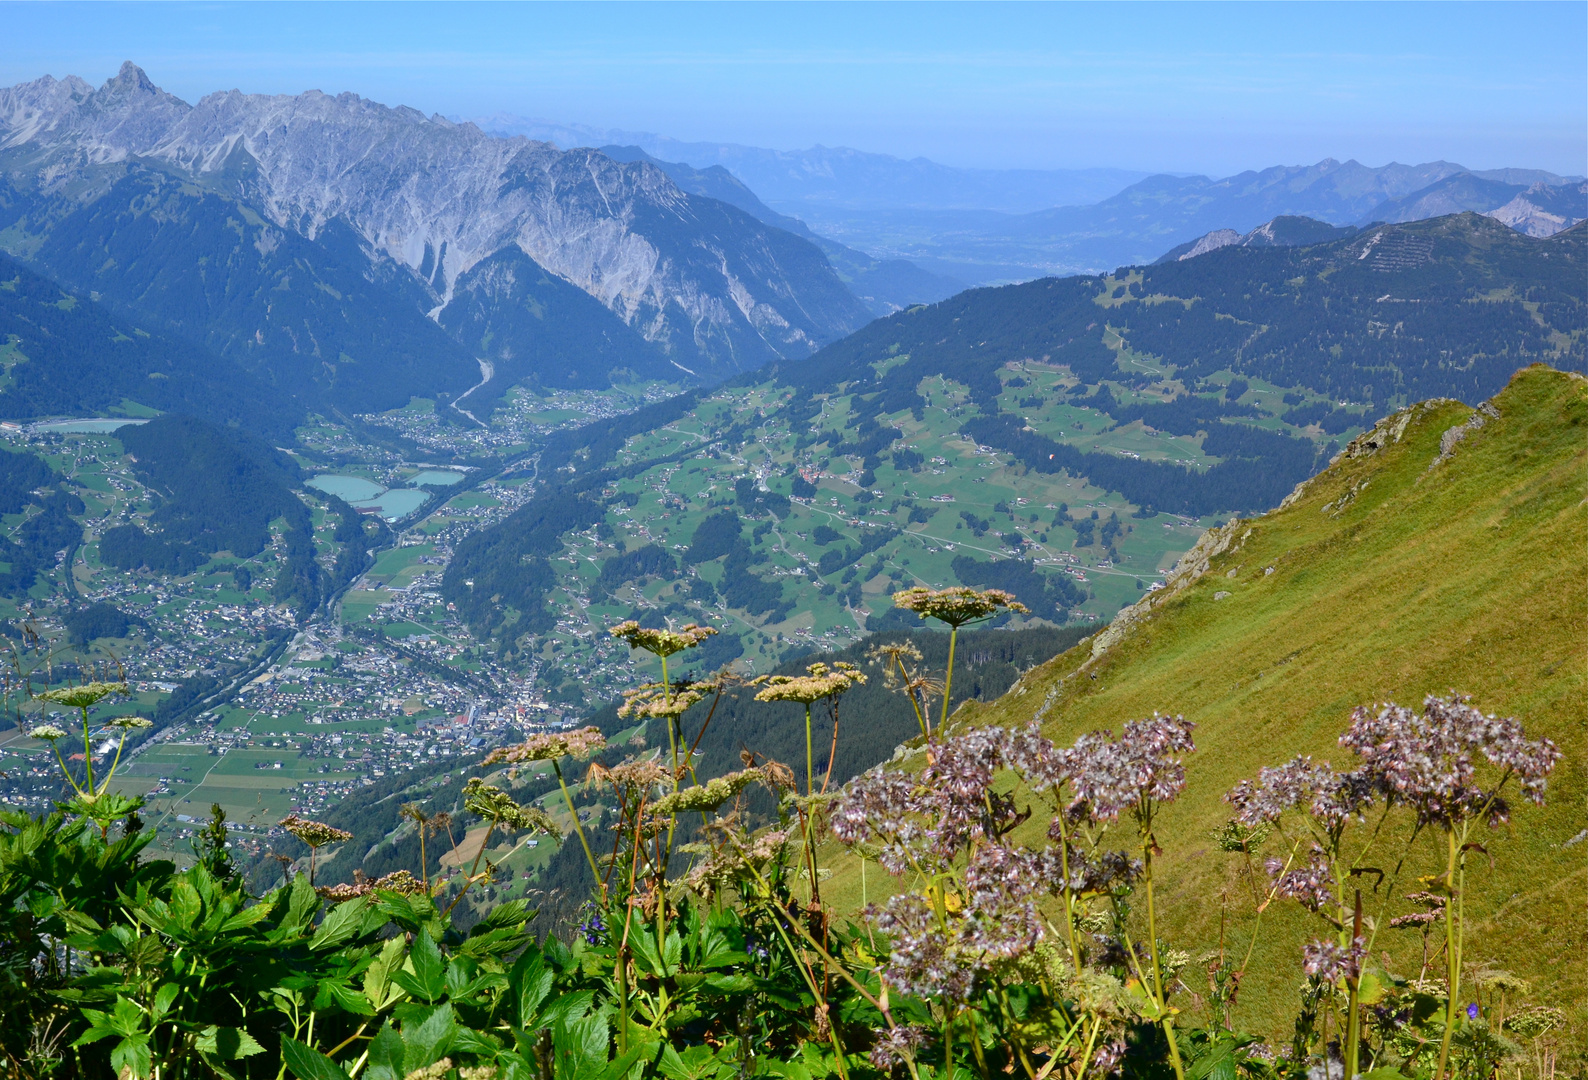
[345,435]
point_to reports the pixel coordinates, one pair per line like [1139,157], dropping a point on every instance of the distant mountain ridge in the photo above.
[711,288]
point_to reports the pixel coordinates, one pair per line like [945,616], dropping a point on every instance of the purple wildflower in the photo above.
[894,1046]
[1328,961]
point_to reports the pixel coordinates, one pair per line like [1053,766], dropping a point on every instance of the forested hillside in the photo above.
[1112,412]
[66,355]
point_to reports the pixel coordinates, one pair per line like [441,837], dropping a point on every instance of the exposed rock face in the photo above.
[1543,210]
[706,282]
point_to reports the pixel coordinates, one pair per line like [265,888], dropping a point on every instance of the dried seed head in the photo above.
[314,833]
[494,804]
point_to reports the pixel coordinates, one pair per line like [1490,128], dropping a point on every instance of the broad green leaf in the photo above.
[307,1063]
[425,964]
[302,903]
[163,998]
[131,1057]
[377,978]
[249,916]
[431,1039]
[531,982]
[228,1043]
[385,1055]
[340,925]
[347,998]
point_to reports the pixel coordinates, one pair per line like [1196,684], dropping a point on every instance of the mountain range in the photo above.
[985,226]
[324,239]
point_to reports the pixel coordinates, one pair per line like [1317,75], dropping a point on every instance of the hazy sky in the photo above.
[1185,87]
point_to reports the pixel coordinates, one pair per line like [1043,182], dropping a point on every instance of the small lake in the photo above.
[85,427]
[395,504]
[435,478]
[353,489]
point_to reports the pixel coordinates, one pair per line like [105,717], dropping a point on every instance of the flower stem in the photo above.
[948,679]
[568,799]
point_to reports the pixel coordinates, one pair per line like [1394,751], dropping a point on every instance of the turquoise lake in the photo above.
[86,427]
[395,504]
[354,489]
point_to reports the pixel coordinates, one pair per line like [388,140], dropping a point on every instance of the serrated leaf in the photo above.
[385,1055]
[131,1057]
[430,1039]
[249,916]
[340,925]
[307,1063]
[427,968]
[163,998]
[228,1043]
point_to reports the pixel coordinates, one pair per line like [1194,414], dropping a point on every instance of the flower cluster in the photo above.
[631,777]
[550,747]
[314,833]
[664,699]
[958,605]
[130,722]
[707,796]
[819,681]
[398,881]
[1312,885]
[1299,784]
[1428,759]
[894,1046]
[1329,962]
[493,804]
[662,642]
[85,696]
[47,732]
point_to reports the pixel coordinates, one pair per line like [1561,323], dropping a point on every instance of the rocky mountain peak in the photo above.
[438,198]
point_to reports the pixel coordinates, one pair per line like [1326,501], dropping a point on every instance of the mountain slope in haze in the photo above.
[884,285]
[1416,563]
[800,181]
[66,355]
[1565,203]
[708,285]
[1284,231]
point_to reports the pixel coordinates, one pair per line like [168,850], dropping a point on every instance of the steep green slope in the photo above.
[1395,573]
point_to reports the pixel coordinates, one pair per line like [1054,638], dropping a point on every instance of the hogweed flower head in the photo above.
[708,796]
[819,681]
[130,723]
[630,776]
[400,881]
[47,732]
[1312,885]
[661,641]
[958,604]
[664,699]
[494,804]
[85,696]
[316,834]
[550,747]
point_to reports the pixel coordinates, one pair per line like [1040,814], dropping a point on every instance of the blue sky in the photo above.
[1212,88]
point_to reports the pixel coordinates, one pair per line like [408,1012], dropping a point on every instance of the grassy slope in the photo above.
[1467,576]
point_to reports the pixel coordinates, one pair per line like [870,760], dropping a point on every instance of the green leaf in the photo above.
[163,998]
[427,1042]
[307,1063]
[346,998]
[531,982]
[227,1043]
[385,1055]
[302,903]
[508,914]
[249,916]
[340,925]
[428,973]
[131,1057]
